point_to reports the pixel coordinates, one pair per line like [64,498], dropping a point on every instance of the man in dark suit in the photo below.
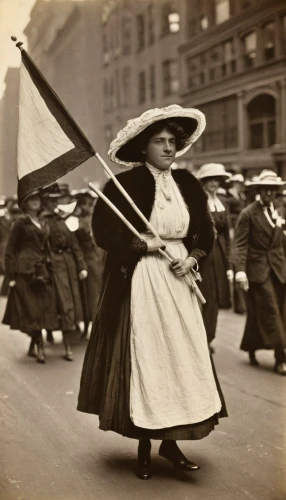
[261,269]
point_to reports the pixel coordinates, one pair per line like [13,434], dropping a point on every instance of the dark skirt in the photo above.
[215,288]
[105,390]
[31,306]
[69,300]
[265,325]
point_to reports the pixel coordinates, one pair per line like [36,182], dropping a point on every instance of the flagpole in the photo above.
[188,277]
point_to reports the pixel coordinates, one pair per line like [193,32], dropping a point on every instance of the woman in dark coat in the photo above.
[148,334]
[68,268]
[31,304]
[216,268]
[93,255]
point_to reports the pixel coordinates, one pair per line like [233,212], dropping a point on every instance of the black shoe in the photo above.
[68,355]
[252,359]
[50,337]
[41,354]
[178,459]
[144,461]
[280,368]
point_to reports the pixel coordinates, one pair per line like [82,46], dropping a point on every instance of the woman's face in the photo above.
[51,204]
[161,150]
[212,184]
[33,203]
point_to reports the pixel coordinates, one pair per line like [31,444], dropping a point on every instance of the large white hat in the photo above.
[236,178]
[125,148]
[267,178]
[212,170]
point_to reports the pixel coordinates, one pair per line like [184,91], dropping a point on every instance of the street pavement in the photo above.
[49,451]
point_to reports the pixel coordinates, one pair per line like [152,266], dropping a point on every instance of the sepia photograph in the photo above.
[142,249]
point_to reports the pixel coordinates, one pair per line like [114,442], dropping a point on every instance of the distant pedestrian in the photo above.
[236,202]
[31,304]
[68,267]
[216,268]
[261,265]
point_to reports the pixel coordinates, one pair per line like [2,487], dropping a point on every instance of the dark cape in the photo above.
[105,380]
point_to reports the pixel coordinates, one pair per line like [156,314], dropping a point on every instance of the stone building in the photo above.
[9,111]
[140,40]
[233,68]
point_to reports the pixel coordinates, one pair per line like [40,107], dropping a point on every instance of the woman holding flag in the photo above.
[147,372]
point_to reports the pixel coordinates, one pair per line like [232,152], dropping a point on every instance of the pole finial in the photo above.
[19,44]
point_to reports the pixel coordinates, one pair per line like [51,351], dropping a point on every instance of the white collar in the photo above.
[215,205]
[156,171]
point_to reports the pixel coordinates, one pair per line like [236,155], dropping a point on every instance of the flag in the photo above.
[50,143]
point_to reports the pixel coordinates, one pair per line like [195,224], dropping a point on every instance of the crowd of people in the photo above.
[68,259]
[51,265]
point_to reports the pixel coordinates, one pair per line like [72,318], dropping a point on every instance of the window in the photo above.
[221,131]
[108,135]
[204,22]
[170,18]
[268,33]
[117,89]
[141,87]
[221,11]
[215,63]
[111,95]
[229,62]
[106,55]
[193,72]
[284,31]
[150,16]
[126,28]
[106,95]
[261,113]
[126,87]
[141,31]
[170,78]
[152,76]
[250,49]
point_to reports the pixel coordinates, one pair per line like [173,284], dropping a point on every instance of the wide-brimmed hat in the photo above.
[125,148]
[235,178]
[267,178]
[51,191]
[21,203]
[212,170]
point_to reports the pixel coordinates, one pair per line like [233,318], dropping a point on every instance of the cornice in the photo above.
[236,25]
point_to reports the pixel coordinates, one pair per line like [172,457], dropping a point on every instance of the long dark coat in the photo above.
[215,285]
[105,381]
[94,258]
[67,262]
[31,303]
[5,227]
[259,252]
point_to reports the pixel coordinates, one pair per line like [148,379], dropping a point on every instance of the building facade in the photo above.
[140,69]
[233,68]
[9,119]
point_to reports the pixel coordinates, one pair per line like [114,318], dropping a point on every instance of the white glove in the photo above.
[83,274]
[241,278]
[230,274]
[12,283]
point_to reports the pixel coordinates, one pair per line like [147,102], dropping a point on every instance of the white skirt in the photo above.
[172,381]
